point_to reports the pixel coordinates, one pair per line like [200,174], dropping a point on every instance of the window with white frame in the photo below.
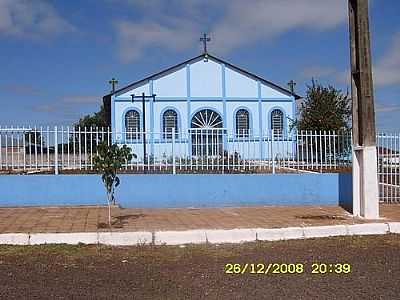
[277,122]
[242,123]
[170,121]
[132,124]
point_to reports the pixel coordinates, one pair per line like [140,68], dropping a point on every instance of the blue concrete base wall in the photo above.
[178,190]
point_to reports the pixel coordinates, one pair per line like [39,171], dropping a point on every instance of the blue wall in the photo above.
[179,190]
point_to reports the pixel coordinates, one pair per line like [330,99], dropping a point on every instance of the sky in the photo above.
[58,56]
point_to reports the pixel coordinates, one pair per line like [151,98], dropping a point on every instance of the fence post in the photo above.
[272,151]
[224,144]
[24,145]
[55,151]
[173,152]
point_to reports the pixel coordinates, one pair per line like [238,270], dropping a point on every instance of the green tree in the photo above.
[86,125]
[108,161]
[33,138]
[324,108]
[98,119]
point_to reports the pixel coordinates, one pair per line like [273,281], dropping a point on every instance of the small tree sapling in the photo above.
[108,161]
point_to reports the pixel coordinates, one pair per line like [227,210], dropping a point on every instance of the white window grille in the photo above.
[242,123]
[132,124]
[207,133]
[170,120]
[277,122]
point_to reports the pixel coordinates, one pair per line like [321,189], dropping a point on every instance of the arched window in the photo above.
[277,122]
[170,120]
[132,124]
[206,130]
[206,119]
[242,122]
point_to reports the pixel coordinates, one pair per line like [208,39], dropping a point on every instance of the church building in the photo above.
[204,92]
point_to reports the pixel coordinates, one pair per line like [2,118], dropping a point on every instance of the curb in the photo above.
[200,236]
[124,238]
[219,236]
[14,239]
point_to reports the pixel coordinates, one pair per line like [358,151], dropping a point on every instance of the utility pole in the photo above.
[143,97]
[365,179]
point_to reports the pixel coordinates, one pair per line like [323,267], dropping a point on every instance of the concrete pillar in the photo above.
[365,184]
[356,183]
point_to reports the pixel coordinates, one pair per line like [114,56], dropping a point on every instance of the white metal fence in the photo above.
[388,148]
[65,149]
[71,150]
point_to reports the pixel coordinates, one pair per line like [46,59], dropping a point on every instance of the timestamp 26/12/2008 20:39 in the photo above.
[283,268]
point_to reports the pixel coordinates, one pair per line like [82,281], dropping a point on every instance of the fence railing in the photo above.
[212,150]
[388,149]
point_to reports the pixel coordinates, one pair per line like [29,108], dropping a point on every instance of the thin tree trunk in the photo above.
[112,196]
[109,214]
[109,209]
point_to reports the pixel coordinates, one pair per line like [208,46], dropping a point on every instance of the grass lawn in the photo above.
[199,272]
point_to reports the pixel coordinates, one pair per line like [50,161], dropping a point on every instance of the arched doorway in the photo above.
[206,131]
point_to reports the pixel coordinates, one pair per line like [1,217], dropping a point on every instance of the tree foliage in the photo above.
[324,108]
[84,127]
[108,161]
[33,138]
[98,119]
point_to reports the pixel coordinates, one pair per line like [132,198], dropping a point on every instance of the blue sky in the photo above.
[57,56]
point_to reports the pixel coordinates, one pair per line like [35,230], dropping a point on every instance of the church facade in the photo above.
[200,98]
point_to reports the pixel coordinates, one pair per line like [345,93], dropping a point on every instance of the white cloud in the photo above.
[387,108]
[176,25]
[34,19]
[173,25]
[45,108]
[69,104]
[135,38]
[249,21]
[318,72]
[21,89]
[75,99]
[386,71]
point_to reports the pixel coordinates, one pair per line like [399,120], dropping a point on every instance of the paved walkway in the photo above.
[92,218]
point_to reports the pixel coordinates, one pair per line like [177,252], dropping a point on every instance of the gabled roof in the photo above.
[197,58]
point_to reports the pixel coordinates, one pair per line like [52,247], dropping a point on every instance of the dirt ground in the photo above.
[199,272]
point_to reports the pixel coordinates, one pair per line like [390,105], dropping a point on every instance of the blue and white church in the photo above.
[199,95]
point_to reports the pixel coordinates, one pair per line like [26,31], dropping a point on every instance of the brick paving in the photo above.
[93,218]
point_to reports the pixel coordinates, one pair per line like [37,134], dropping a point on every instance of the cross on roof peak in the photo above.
[291,85]
[113,83]
[205,39]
